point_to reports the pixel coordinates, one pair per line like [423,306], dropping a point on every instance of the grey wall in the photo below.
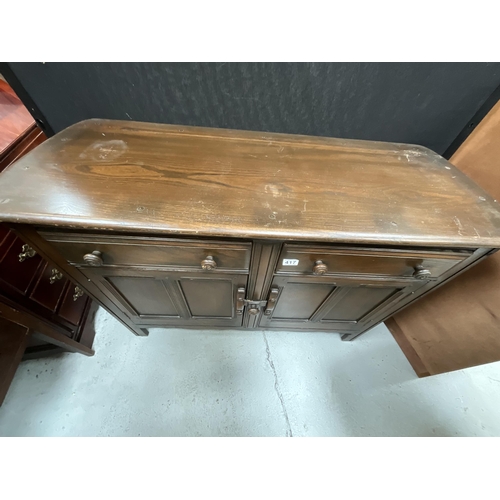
[422,103]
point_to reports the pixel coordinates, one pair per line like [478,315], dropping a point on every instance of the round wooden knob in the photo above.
[208,264]
[421,273]
[320,268]
[93,259]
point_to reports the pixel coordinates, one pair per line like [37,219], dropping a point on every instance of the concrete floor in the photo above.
[192,383]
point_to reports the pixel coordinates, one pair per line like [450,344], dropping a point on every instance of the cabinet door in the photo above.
[193,299]
[308,303]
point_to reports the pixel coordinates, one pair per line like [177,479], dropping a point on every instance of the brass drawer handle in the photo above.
[26,253]
[55,276]
[421,273]
[320,268]
[93,259]
[208,263]
[78,293]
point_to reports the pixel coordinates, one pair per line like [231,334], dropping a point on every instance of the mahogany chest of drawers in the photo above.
[170,226]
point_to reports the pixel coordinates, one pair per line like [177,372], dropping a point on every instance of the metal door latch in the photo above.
[254,306]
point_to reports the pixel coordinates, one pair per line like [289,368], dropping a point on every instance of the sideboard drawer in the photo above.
[128,251]
[324,260]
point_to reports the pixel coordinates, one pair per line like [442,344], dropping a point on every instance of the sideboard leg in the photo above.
[136,330]
[346,337]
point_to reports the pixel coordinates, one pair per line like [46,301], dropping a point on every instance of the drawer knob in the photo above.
[208,264]
[421,273]
[93,259]
[55,275]
[253,310]
[26,253]
[78,293]
[320,268]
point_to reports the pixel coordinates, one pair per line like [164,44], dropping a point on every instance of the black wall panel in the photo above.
[422,103]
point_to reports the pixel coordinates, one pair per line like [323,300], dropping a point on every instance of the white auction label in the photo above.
[290,262]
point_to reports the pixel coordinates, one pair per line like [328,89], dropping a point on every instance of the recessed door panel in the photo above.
[208,297]
[147,296]
[299,301]
[358,302]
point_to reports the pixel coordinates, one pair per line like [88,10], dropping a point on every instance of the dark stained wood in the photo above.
[358,303]
[47,251]
[301,259]
[120,305]
[129,212]
[458,326]
[262,268]
[37,348]
[16,274]
[126,251]
[87,332]
[342,305]
[46,293]
[162,179]
[13,339]
[26,285]
[5,233]
[208,297]
[44,329]
[299,301]
[72,310]
[172,298]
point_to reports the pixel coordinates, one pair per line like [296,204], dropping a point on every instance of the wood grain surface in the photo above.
[167,179]
[458,325]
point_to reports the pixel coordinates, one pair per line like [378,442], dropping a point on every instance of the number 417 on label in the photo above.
[290,262]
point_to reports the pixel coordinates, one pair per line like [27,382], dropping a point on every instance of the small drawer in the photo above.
[73,305]
[49,288]
[84,250]
[19,265]
[320,260]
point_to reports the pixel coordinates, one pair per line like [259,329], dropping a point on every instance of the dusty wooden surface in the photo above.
[458,325]
[130,176]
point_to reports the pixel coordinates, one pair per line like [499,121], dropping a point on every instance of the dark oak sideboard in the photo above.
[171,226]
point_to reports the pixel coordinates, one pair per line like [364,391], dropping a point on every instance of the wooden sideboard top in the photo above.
[168,179]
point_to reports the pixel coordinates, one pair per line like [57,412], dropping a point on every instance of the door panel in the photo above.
[146,296]
[299,301]
[193,299]
[358,302]
[208,297]
[319,303]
